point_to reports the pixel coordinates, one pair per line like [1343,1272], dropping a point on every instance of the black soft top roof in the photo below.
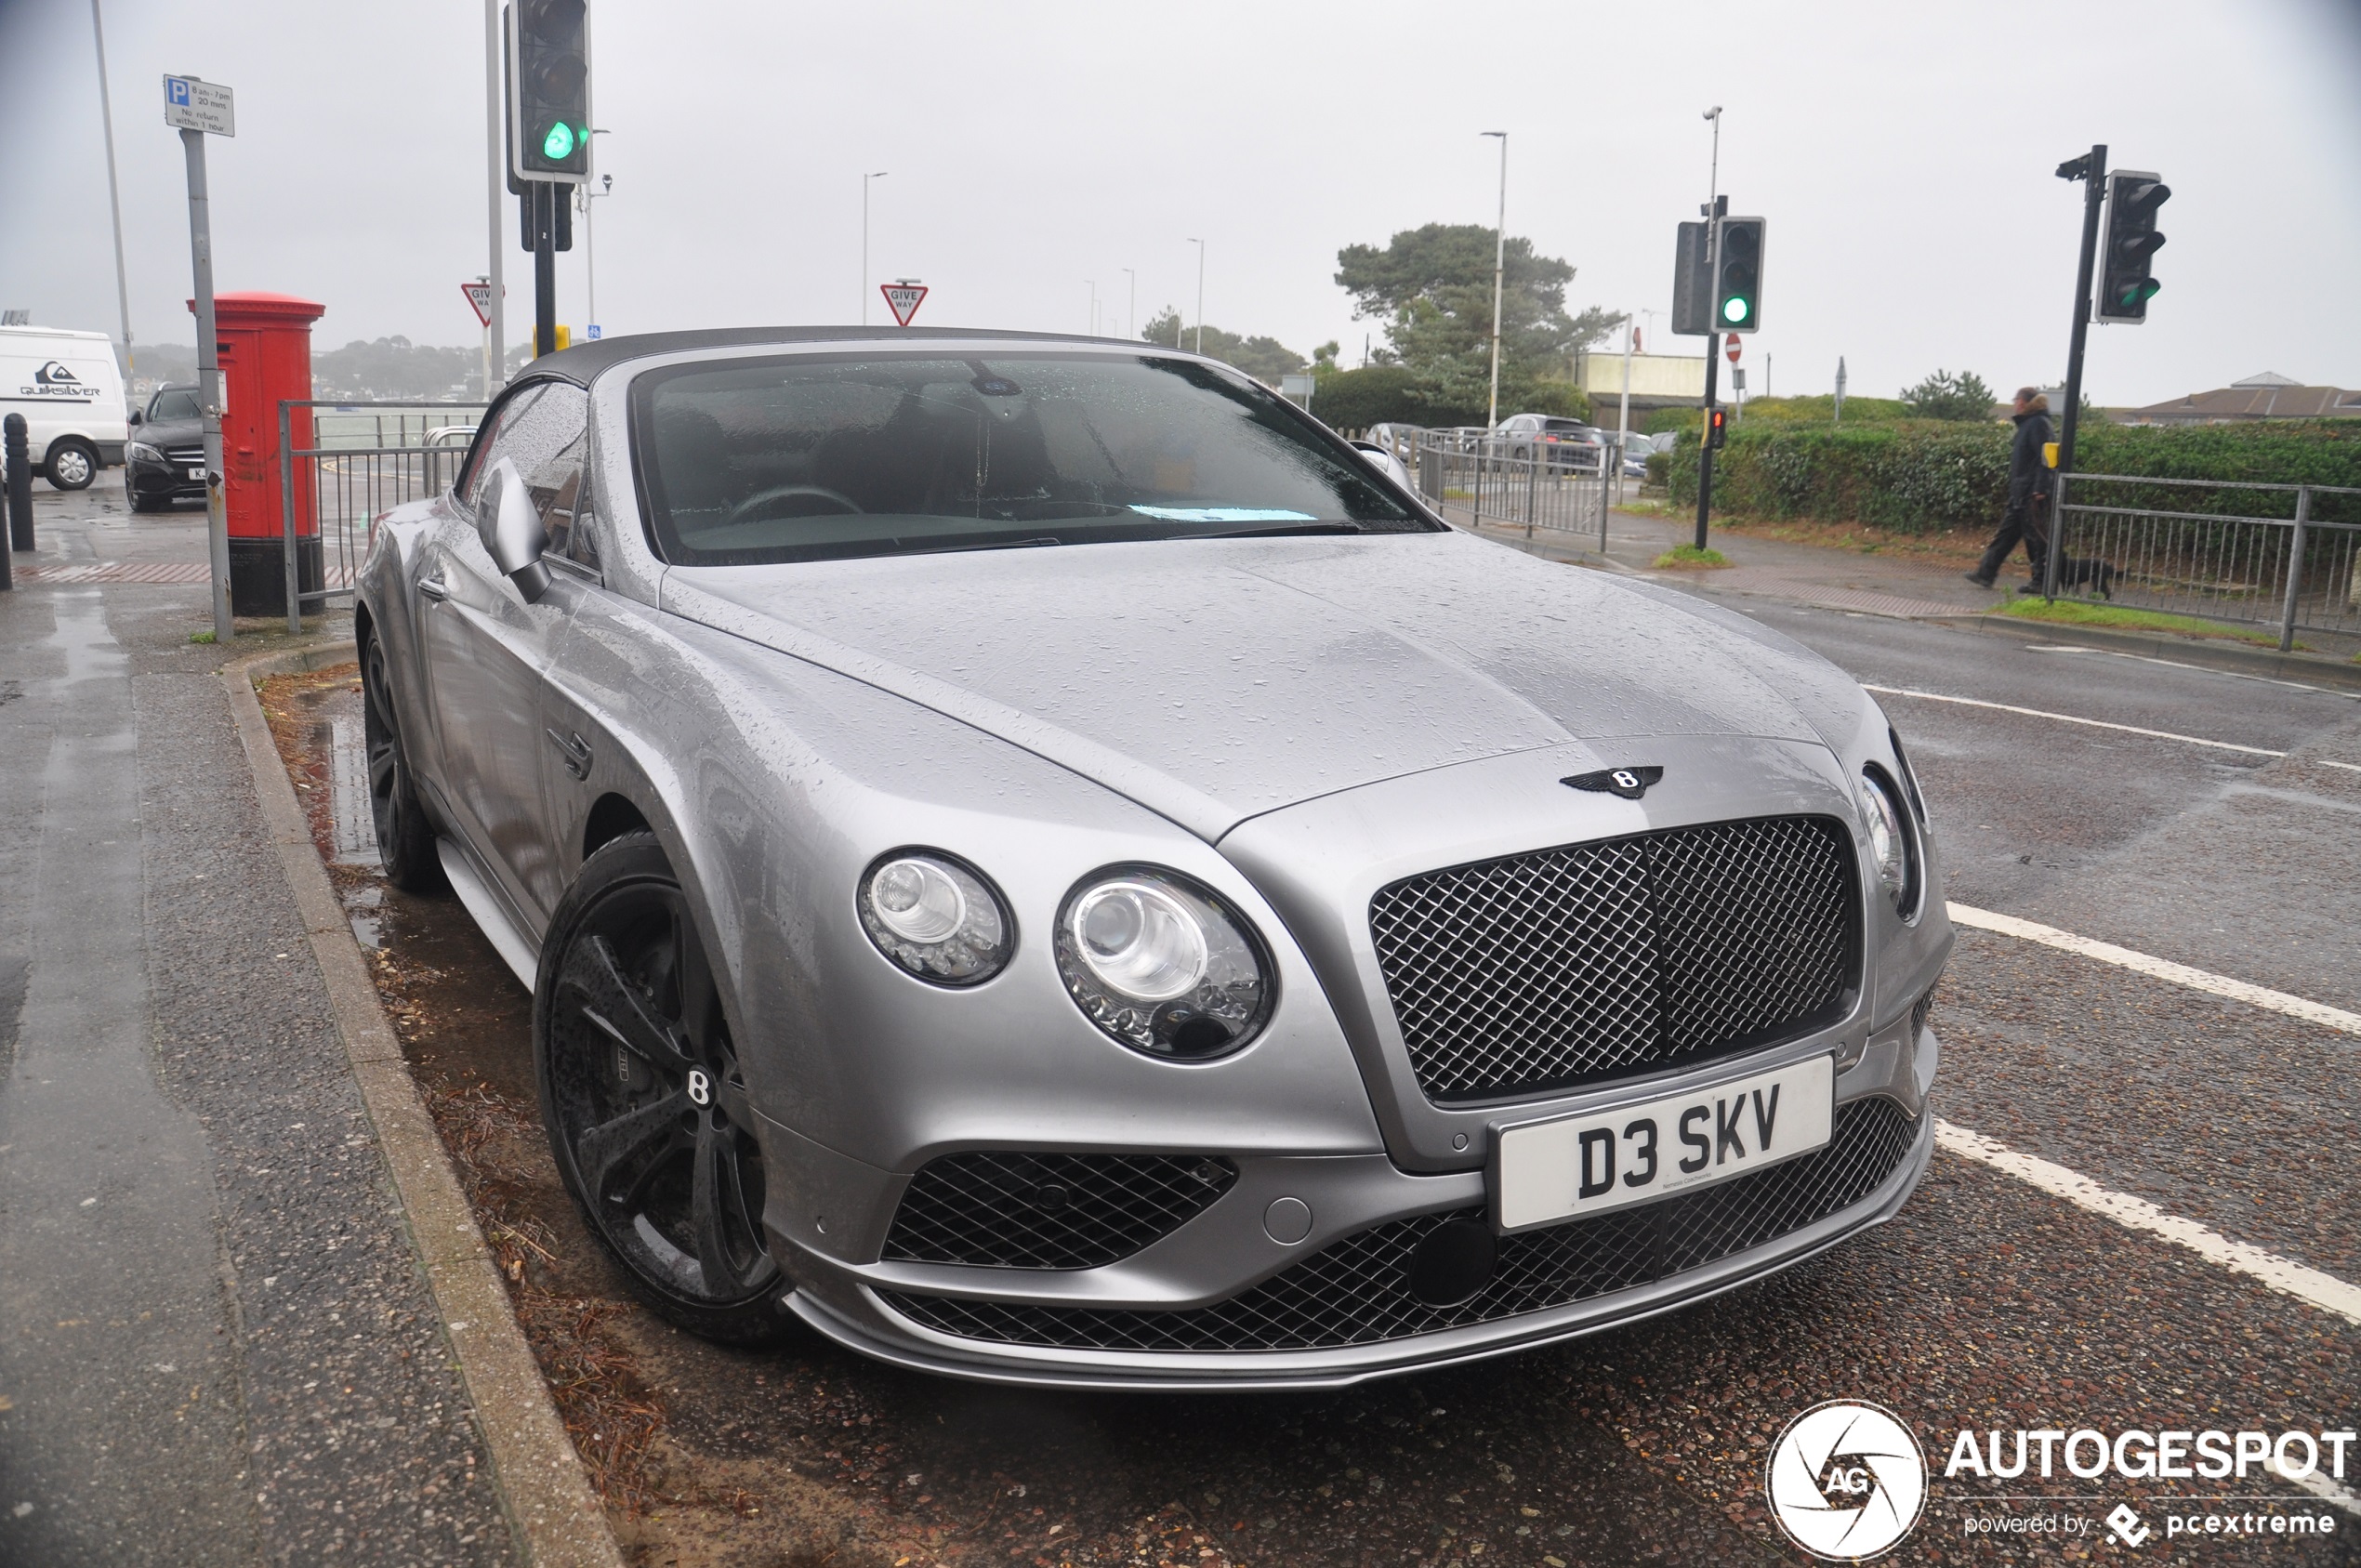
[585,362]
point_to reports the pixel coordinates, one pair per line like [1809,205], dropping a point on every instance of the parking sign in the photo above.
[192,104]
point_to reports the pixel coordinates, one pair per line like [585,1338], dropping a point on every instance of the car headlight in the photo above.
[1889,843]
[936,918]
[143,452]
[1162,965]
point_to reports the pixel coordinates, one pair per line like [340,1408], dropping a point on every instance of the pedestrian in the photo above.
[2027,517]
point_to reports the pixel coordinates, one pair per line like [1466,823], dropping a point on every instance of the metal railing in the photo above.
[2137,542]
[1565,492]
[359,459]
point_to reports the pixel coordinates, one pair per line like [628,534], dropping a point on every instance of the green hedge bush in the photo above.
[1919,475]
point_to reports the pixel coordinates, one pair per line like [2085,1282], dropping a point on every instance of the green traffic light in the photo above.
[1735,309]
[559,144]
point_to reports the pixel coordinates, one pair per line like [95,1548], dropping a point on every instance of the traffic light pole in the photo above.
[545,267]
[2092,171]
[1704,445]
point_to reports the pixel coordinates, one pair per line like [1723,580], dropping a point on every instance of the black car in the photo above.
[163,461]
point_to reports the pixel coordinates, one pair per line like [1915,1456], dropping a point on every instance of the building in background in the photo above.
[2267,396]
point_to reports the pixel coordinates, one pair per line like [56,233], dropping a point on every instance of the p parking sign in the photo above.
[191,103]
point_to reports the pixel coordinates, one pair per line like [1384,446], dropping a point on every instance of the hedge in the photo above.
[1921,475]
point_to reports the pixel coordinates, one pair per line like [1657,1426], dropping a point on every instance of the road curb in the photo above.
[2207,653]
[556,1517]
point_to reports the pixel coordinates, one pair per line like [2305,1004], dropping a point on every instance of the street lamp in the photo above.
[865,241]
[1499,259]
[1094,305]
[1131,308]
[590,244]
[1175,333]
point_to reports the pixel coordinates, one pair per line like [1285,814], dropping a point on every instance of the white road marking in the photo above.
[2201,670]
[2071,718]
[2324,1291]
[2318,1485]
[2332,762]
[2160,968]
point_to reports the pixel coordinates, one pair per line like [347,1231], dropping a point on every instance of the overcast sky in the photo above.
[1901,153]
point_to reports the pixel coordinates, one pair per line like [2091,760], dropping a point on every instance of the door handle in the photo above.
[576,751]
[434,589]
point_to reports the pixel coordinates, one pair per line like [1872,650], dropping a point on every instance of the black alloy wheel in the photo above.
[405,839]
[643,1100]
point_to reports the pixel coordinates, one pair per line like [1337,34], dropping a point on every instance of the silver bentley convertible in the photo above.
[1040,861]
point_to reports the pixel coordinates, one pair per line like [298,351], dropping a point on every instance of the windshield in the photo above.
[811,457]
[175,403]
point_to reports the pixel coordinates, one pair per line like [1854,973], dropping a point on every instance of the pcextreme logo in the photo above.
[1846,1481]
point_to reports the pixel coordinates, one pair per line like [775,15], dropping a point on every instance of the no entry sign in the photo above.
[1732,349]
[902,300]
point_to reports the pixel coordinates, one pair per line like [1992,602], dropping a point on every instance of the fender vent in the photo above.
[1018,1210]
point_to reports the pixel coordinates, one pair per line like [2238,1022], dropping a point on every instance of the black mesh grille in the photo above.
[1920,1013]
[1013,1210]
[1557,968]
[1353,1292]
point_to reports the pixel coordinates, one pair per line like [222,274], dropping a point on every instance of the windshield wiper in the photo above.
[1283,528]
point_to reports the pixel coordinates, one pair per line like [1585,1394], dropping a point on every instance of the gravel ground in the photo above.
[1985,1305]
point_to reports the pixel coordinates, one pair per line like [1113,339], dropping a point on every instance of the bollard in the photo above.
[20,484]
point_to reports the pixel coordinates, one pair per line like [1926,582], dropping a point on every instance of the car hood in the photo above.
[161,433]
[1213,680]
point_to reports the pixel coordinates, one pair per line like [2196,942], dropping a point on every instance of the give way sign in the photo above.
[480,295]
[902,300]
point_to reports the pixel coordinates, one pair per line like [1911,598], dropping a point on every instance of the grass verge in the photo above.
[1688,557]
[2074,612]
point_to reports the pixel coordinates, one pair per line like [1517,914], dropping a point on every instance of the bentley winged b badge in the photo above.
[1629,782]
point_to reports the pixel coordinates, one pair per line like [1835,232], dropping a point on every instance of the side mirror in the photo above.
[133,417]
[510,529]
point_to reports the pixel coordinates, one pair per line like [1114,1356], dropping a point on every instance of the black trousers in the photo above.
[2027,519]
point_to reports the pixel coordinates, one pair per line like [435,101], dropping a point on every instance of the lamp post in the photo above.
[1094,305]
[590,244]
[865,241]
[114,201]
[1131,306]
[1176,337]
[1499,260]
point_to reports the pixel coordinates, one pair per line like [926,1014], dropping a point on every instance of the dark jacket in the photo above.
[2029,475]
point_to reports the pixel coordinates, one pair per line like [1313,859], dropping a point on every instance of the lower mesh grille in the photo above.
[1016,1210]
[1353,1291]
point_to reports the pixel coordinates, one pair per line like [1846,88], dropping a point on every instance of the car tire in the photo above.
[645,1106]
[138,502]
[405,839]
[71,464]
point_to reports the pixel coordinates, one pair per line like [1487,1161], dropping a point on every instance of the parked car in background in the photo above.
[1563,443]
[1037,861]
[70,390]
[163,461]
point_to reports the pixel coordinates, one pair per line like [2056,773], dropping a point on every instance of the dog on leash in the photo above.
[2075,570]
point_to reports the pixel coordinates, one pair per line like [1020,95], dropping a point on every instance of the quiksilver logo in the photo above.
[54,380]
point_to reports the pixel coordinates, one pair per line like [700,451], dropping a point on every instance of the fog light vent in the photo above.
[1013,1209]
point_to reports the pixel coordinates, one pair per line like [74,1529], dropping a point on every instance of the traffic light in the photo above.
[1691,284]
[1737,285]
[2125,286]
[549,90]
[1717,427]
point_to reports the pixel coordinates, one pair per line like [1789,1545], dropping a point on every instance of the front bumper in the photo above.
[158,482]
[877,1309]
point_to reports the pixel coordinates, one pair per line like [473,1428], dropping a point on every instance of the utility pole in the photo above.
[495,185]
[865,241]
[115,199]
[1713,208]
[1094,305]
[1499,259]
[1176,337]
[1131,308]
[1840,418]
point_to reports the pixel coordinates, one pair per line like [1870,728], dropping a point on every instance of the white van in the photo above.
[67,388]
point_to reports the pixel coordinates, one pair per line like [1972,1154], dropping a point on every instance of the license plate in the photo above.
[196,473]
[1547,1172]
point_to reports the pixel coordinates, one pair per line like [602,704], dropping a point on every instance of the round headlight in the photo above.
[1888,839]
[1162,965]
[935,918]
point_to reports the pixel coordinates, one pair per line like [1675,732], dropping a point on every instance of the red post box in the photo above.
[265,344]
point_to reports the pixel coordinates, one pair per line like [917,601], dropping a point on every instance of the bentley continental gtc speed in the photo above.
[1037,861]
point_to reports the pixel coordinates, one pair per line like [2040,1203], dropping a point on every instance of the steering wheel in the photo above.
[845,504]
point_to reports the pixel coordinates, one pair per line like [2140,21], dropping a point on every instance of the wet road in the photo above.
[1986,1304]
